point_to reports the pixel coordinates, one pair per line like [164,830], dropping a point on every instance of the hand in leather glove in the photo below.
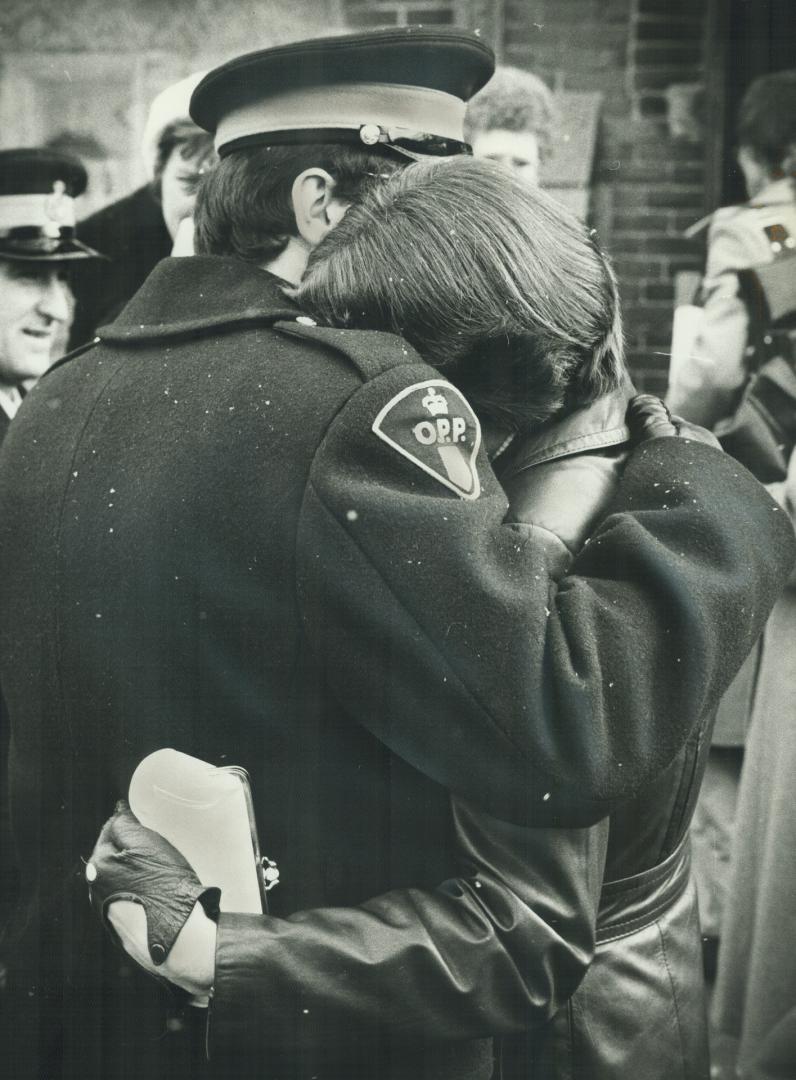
[648,418]
[133,863]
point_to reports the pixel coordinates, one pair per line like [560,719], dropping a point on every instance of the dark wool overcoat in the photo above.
[279,546]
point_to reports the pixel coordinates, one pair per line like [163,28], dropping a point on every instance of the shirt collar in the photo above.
[10,400]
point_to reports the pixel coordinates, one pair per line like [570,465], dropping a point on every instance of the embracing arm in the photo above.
[446,634]
[496,949]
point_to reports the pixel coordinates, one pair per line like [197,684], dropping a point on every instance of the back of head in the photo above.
[356,106]
[489,278]
[245,206]
[767,122]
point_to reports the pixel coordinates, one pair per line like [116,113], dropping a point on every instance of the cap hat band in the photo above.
[48,213]
[346,106]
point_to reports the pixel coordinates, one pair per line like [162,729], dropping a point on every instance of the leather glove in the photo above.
[648,418]
[131,862]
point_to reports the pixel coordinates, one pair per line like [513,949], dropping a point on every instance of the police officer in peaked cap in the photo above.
[37,242]
[233,542]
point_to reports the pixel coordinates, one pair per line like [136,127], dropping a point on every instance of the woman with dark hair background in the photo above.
[524,318]
[140,229]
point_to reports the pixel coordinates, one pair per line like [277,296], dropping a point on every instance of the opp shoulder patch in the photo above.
[432,425]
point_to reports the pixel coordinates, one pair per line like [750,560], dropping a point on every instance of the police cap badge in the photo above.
[37,215]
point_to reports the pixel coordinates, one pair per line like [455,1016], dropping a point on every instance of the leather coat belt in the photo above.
[631,903]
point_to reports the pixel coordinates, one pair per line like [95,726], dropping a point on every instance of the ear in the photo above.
[315,206]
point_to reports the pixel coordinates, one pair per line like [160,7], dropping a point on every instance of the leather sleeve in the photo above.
[494,950]
[444,631]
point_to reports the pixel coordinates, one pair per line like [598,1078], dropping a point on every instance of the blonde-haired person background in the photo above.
[524,318]
[511,121]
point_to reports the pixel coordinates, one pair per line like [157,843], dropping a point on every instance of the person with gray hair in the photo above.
[512,119]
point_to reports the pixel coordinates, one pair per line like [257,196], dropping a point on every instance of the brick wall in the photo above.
[648,182]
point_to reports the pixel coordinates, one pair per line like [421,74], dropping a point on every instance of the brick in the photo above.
[648,315]
[532,10]
[652,105]
[636,171]
[631,292]
[671,8]
[669,245]
[679,222]
[675,198]
[676,30]
[664,290]
[629,197]
[603,81]
[687,174]
[637,130]
[696,261]
[658,78]
[659,55]
[640,223]
[360,17]
[443,16]
[638,267]
[630,245]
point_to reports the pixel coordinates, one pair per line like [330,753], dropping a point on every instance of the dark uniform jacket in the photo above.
[640,1010]
[132,234]
[237,540]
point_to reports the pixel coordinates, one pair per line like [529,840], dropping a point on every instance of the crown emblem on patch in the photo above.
[435,402]
[438,432]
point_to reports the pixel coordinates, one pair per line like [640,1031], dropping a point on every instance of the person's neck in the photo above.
[291,262]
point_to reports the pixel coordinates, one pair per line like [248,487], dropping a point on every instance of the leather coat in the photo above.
[640,1011]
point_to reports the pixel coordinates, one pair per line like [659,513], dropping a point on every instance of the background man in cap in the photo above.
[37,242]
[242,541]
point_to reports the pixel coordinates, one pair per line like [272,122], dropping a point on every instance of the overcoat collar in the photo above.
[600,424]
[190,296]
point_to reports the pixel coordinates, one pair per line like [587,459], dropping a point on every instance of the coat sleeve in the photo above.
[444,631]
[497,949]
